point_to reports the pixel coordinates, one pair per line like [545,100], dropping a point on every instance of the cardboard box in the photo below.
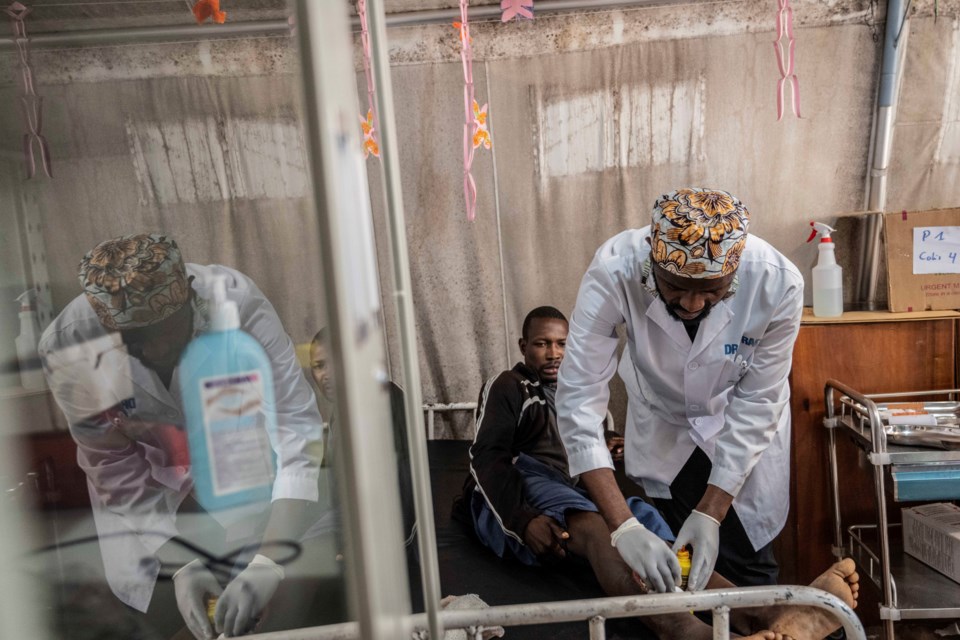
[931,534]
[922,250]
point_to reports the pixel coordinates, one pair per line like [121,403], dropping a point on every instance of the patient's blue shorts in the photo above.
[549,491]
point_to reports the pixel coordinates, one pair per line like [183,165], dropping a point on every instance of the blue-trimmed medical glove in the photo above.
[244,599]
[193,585]
[702,533]
[647,555]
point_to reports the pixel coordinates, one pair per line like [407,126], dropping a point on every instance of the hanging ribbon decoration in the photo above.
[30,102]
[516,9]
[475,131]
[369,124]
[785,59]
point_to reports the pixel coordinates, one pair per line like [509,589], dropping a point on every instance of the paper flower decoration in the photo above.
[369,124]
[480,135]
[460,31]
[204,9]
[370,144]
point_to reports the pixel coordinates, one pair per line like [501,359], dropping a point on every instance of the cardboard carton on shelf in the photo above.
[931,534]
[922,251]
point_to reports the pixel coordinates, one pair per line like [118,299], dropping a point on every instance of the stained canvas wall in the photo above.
[592,116]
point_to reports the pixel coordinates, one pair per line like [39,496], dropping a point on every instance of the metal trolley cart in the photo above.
[913,462]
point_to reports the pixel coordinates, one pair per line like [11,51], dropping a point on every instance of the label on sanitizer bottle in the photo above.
[237,443]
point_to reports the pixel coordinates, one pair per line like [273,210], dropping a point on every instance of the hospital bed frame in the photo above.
[596,611]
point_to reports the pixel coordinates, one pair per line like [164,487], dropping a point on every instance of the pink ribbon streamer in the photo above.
[370,144]
[785,59]
[31,104]
[466,57]
[516,9]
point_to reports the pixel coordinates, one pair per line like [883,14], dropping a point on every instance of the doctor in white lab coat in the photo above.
[112,360]
[711,314]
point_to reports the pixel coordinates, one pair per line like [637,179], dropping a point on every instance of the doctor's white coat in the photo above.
[725,392]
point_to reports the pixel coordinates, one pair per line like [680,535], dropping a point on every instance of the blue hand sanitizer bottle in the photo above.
[226,384]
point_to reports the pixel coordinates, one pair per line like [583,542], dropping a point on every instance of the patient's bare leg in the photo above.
[797,622]
[810,623]
[590,539]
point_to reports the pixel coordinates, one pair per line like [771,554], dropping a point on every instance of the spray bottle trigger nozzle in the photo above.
[823,229]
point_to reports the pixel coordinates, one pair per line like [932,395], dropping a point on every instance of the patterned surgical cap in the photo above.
[134,281]
[699,233]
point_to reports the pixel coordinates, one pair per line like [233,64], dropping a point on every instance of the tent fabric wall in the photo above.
[704,73]
[925,166]
[551,224]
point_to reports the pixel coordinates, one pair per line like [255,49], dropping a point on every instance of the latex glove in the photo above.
[193,585]
[244,599]
[703,533]
[647,555]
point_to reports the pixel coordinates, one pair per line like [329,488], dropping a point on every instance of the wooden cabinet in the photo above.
[873,353]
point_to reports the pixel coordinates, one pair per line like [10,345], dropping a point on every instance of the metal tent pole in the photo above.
[376,560]
[127,35]
[397,232]
[493,11]
[894,46]
[267,28]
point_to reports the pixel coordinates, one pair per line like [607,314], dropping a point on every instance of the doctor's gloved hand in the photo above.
[193,585]
[647,555]
[703,533]
[244,599]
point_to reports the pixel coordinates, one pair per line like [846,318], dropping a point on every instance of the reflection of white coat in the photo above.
[726,392]
[134,476]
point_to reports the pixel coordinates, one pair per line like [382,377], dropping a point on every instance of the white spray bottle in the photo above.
[827,275]
[31,375]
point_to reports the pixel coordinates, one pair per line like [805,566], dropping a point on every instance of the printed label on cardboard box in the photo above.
[923,260]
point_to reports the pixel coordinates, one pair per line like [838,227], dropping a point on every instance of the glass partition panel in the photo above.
[169,388]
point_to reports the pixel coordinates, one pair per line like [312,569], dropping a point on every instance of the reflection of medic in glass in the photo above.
[125,415]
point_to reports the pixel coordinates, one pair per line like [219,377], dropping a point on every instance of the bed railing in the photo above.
[595,612]
[439,407]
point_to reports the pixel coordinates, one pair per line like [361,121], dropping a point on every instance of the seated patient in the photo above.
[523,504]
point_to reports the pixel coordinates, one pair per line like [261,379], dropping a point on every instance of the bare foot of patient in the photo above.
[811,623]
[764,635]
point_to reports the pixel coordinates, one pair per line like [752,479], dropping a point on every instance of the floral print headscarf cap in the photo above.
[699,233]
[134,281]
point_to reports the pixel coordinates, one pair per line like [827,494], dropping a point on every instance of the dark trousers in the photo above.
[738,561]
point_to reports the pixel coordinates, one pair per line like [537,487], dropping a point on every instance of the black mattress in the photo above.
[466,566]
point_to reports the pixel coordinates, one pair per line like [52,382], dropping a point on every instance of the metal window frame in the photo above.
[379,595]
